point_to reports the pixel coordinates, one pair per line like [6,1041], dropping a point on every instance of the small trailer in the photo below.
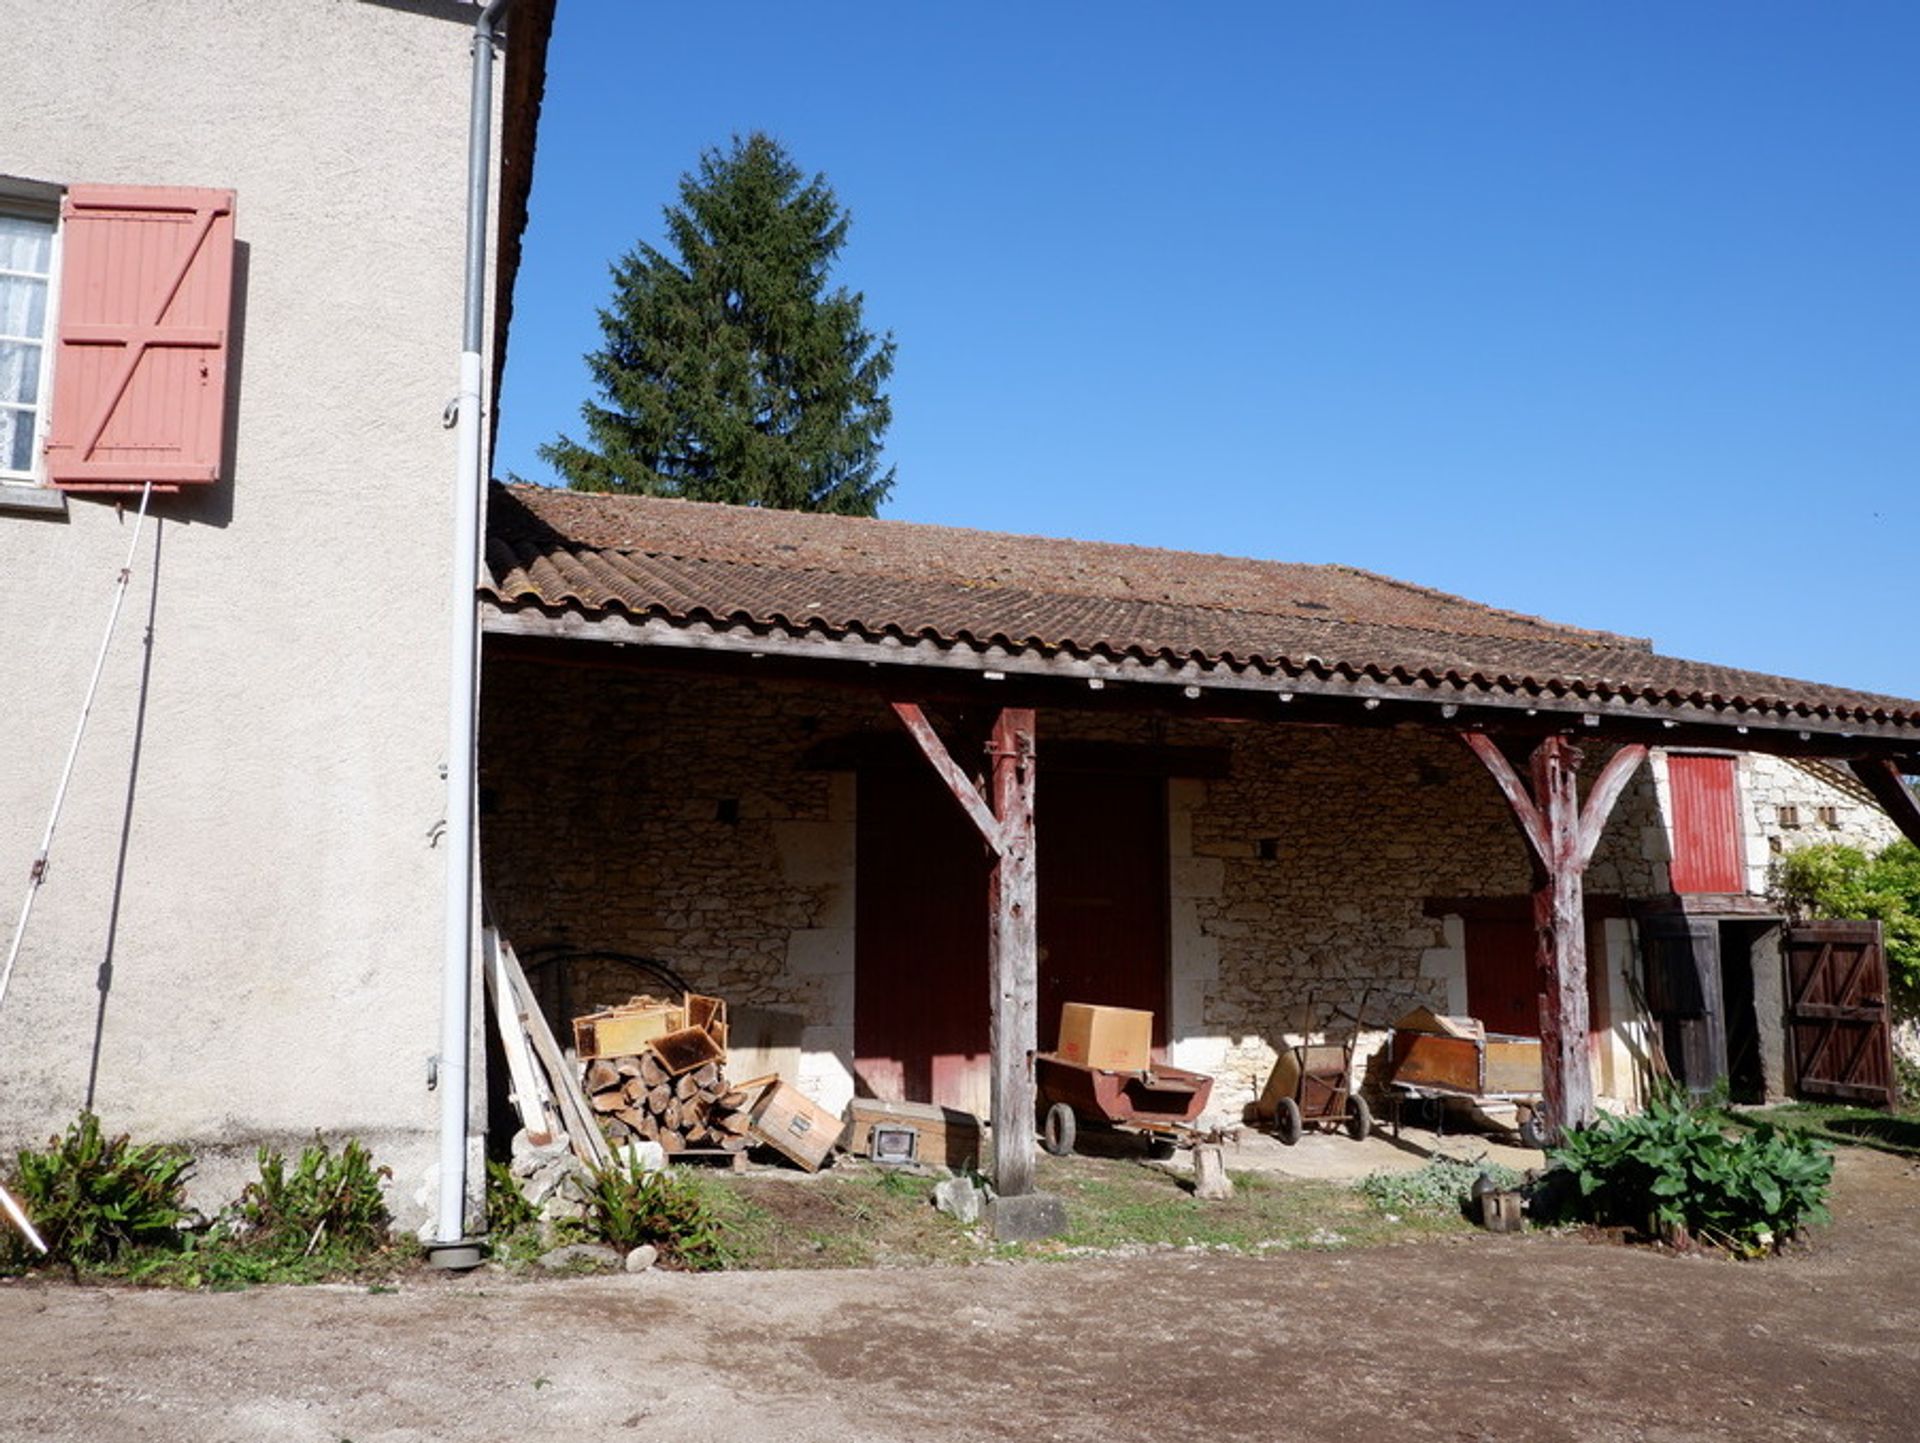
[1161,1103]
[1435,1058]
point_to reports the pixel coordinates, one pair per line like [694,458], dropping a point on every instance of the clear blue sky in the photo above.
[1608,312]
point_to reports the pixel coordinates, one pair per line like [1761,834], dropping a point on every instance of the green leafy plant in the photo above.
[1673,1170]
[331,1201]
[1831,880]
[628,1206]
[94,1197]
[508,1210]
[1440,1185]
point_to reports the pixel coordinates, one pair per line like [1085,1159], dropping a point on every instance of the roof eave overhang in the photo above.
[1448,701]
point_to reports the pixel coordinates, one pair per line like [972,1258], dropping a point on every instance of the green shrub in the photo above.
[1674,1171]
[1831,880]
[1440,1185]
[508,1210]
[329,1202]
[94,1197]
[627,1206]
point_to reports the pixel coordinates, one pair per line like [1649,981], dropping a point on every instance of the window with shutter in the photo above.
[140,373]
[1706,825]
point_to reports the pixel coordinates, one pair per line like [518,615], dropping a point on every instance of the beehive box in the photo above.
[947,1136]
[792,1124]
[622,1031]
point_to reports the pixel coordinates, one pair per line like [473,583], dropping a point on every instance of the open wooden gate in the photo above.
[1839,1035]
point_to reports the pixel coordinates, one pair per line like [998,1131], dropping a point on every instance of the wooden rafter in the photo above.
[1890,790]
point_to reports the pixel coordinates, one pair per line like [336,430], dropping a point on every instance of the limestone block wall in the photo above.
[673,817]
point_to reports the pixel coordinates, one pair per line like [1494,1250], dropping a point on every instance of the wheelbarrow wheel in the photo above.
[1058,1129]
[1286,1121]
[1359,1118]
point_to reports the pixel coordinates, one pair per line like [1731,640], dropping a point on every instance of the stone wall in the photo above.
[673,817]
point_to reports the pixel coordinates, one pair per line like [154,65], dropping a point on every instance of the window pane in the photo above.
[19,372]
[23,307]
[16,439]
[25,245]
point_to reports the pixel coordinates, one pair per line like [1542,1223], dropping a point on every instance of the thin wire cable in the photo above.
[38,873]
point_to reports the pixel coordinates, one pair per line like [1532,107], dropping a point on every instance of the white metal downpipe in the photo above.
[452,1246]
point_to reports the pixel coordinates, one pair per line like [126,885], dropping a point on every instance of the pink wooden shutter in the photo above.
[140,376]
[1706,825]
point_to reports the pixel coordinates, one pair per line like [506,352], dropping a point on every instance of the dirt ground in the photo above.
[1479,1338]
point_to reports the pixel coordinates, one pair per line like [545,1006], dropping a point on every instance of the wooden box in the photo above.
[947,1136]
[624,1031]
[1113,1039]
[791,1123]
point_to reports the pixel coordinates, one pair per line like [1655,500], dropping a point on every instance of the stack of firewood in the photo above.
[636,1097]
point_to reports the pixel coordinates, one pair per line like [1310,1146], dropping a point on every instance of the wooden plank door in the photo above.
[1103,895]
[1681,957]
[1839,1036]
[1503,972]
[920,944]
[920,950]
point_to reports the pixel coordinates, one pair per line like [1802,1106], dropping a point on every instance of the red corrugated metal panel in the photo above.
[140,377]
[1706,825]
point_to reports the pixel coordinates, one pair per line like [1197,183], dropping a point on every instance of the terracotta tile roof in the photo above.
[682,561]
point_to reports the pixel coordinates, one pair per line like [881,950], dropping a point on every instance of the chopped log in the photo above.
[1210,1180]
[698,1135]
[649,1126]
[685,1087]
[652,1071]
[632,1117]
[733,1097]
[671,1142]
[670,1115]
[736,1144]
[606,1102]
[707,1076]
[626,1066]
[732,1123]
[601,1075]
[633,1089]
[618,1131]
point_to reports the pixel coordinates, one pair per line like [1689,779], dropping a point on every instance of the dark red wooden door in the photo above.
[1503,973]
[1103,895]
[920,1002]
[920,944]
[1839,1038]
[1706,825]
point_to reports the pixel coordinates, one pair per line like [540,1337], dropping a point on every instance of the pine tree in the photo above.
[730,372]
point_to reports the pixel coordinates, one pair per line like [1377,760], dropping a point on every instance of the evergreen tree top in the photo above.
[729,370]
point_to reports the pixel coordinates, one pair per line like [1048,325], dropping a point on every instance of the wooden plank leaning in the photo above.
[532,1099]
[589,1143]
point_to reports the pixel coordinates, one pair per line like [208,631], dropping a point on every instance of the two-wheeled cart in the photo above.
[1312,1086]
[1159,1103]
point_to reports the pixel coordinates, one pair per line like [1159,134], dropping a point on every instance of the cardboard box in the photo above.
[791,1123]
[1112,1039]
[947,1137]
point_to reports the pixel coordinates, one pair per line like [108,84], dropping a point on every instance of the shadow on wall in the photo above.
[104,980]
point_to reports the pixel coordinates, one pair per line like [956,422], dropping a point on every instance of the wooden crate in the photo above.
[791,1123]
[624,1031]
[947,1136]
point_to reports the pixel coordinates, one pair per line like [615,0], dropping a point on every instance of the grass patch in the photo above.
[859,1217]
[1894,1132]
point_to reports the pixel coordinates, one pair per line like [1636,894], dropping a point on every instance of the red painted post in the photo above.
[1561,838]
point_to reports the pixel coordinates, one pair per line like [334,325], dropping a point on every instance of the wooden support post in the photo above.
[1006,825]
[1561,837]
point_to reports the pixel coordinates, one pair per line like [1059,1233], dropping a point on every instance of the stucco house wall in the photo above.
[250,837]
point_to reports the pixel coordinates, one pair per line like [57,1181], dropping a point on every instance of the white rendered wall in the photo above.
[276,939]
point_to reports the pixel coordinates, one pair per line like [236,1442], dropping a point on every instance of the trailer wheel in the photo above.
[1057,1131]
[1359,1118]
[1286,1121]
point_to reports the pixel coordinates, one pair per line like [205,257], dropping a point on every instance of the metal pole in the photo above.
[456,1005]
[38,873]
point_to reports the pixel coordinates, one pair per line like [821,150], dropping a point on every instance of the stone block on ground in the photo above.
[1028,1218]
[959,1199]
